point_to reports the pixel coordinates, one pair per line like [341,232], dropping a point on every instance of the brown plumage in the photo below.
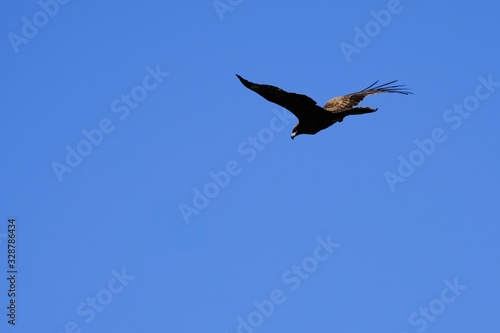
[312,117]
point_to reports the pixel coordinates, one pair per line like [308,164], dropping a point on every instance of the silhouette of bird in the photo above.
[312,117]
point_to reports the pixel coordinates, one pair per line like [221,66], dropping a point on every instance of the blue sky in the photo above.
[153,192]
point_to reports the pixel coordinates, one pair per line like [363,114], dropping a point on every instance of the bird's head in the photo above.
[296,131]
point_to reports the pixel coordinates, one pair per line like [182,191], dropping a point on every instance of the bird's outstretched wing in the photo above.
[346,102]
[300,105]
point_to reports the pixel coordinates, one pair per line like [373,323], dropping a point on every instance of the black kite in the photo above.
[312,117]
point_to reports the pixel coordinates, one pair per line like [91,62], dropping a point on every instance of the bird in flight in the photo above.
[312,117]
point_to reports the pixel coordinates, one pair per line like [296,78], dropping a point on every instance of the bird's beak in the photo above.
[293,135]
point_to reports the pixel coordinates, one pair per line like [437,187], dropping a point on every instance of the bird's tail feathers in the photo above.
[362,110]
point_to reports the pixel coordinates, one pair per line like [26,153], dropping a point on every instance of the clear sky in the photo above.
[152,192]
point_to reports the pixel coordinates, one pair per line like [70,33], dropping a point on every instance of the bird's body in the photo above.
[312,117]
